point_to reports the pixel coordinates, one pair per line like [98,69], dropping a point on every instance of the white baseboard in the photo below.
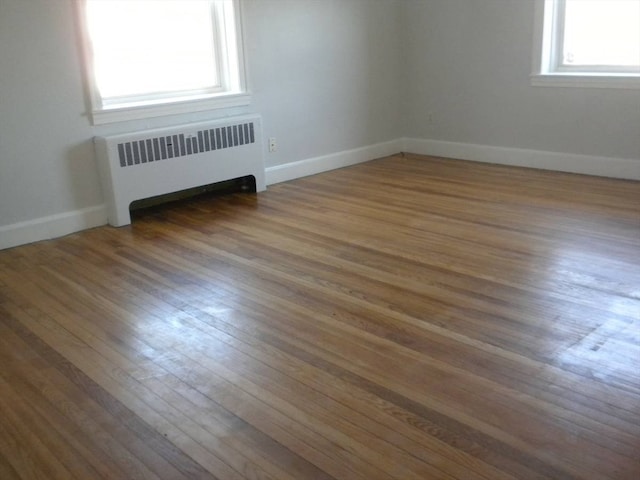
[63,224]
[311,166]
[70,222]
[565,162]
[51,227]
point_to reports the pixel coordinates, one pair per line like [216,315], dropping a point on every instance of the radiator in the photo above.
[155,162]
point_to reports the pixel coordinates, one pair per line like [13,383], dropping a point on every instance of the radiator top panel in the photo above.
[184,144]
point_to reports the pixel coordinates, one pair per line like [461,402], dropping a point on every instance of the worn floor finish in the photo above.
[408,318]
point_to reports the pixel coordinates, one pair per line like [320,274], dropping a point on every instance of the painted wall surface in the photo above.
[46,155]
[467,71]
[322,73]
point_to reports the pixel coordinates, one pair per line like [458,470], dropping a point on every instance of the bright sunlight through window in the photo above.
[167,48]
[149,52]
[592,38]
[602,34]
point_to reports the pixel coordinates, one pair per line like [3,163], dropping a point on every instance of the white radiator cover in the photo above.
[155,162]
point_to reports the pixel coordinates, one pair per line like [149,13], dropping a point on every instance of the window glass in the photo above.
[601,33]
[147,58]
[143,47]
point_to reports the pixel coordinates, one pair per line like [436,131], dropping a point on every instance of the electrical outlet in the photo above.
[430,117]
[273,146]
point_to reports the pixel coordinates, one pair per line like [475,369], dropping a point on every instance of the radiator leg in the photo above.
[119,216]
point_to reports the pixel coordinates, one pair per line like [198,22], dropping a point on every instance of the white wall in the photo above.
[46,157]
[467,70]
[322,73]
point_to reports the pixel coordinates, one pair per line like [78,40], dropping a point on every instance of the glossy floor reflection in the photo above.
[408,318]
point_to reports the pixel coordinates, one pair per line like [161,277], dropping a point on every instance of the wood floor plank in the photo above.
[69,443]
[266,360]
[32,456]
[147,300]
[127,441]
[411,317]
[6,469]
[364,273]
[247,348]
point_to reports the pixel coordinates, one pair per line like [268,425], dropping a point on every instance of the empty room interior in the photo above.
[320,239]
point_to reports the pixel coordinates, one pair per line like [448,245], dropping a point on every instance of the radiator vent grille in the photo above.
[181,145]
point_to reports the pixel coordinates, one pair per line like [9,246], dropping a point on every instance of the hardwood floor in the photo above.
[408,318]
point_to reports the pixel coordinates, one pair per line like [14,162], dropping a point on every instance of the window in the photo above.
[156,57]
[589,42]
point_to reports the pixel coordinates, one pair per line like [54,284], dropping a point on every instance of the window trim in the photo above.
[547,69]
[103,113]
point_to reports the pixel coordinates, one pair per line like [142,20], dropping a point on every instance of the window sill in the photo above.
[583,80]
[115,114]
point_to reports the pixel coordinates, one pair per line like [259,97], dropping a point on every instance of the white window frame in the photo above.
[548,69]
[232,92]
